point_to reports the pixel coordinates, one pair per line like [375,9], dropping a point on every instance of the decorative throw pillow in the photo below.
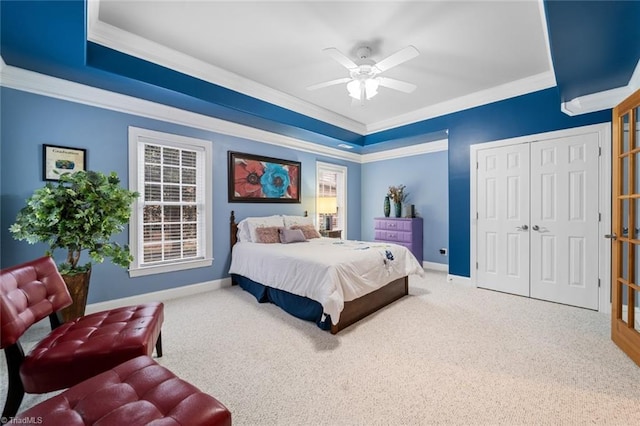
[291,236]
[309,231]
[260,222]
[267,235]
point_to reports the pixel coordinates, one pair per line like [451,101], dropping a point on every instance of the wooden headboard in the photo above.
[233,228]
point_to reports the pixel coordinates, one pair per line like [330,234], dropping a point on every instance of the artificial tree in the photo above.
[80,212]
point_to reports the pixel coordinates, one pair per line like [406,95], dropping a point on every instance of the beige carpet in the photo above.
[445,354]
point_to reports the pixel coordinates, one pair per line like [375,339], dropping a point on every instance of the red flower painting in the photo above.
[247,178]
[254,178]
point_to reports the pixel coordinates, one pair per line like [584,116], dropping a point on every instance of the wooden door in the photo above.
[625,268]
[503,219]
[564,220]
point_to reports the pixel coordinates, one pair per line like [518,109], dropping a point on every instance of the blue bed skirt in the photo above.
[298,306]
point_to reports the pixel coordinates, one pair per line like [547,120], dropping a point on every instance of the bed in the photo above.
[332,282]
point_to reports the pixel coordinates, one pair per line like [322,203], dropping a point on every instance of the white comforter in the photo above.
[326,270]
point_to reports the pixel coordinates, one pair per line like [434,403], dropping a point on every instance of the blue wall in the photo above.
[49,37]
[425,177]
[30,120]
[533,113]
[524,115]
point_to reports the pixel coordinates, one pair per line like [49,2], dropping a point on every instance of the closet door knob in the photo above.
[522,228]
[535,227]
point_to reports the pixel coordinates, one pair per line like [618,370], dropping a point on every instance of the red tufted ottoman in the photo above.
[73,351]
[138,392]
[89,345]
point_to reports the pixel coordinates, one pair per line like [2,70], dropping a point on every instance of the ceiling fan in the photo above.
[364,79]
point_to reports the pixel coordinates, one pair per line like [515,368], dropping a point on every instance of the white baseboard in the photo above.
[460,280]
[162,295]
[442,267]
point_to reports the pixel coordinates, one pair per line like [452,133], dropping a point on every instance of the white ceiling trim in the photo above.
[602,100]
[547,43]
[41,84]
[505,91]
[407,151]
[114,38]
[516,88]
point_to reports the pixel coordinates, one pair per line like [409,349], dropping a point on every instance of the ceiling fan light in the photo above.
[354,89]
[371,87]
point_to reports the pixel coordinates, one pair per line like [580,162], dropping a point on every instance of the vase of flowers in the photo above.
[387,206]
[397,195]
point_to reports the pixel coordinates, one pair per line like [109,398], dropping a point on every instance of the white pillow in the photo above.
[258,222]
[243,232]
[290,221]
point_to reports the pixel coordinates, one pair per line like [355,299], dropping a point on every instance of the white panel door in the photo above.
[503,219]
[564,220]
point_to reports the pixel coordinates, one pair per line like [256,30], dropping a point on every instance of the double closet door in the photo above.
[537,220]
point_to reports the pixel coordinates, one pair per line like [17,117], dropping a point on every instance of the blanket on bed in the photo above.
[327,270]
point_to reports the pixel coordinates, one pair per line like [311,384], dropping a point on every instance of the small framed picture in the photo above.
[258,179]
[57,160]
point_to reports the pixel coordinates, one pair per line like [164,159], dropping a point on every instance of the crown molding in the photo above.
[120,40]
[44,85]
[407,151]
[602,100]
[531,84]
[520,87]
[547,42]
[115,38]
[40,84]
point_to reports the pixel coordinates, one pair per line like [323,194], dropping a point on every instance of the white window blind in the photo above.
[172,226]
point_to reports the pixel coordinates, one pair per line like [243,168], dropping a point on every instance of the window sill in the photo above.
[171,267]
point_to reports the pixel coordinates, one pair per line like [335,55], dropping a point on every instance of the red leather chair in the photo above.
[73,351]
[137,392]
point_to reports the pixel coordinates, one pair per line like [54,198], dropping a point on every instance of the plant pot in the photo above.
[78,286]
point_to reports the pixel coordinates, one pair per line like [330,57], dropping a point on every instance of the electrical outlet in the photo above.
[443,251]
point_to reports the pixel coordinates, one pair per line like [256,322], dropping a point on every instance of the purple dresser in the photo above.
[405,231]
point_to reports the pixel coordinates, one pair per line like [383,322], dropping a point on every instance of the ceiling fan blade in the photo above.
[340,57]
[328,83]
[392,83]
[397,58]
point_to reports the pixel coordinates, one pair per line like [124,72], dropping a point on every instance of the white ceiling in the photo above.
[471,52]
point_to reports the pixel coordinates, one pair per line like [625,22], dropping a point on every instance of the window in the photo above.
[171,221]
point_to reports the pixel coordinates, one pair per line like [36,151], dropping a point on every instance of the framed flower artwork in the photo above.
[258,179]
